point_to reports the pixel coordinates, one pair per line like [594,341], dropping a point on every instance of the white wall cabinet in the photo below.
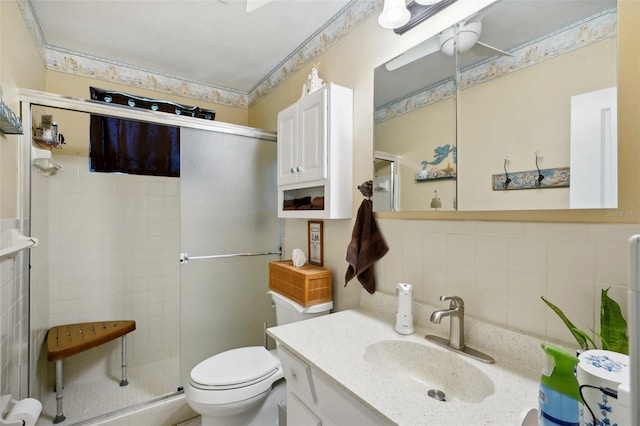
[314,400]
[315,155]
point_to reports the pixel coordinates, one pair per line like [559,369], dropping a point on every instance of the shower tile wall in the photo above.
[114,246]
[39,280]
[14,317]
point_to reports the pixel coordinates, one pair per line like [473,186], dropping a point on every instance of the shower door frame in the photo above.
[29,98]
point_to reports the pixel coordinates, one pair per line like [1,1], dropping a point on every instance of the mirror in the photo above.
[510,130]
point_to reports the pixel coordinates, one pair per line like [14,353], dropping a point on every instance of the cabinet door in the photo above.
[287,146]
[299,414]
[312,128]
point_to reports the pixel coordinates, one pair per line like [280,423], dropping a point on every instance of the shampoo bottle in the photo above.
[559,397]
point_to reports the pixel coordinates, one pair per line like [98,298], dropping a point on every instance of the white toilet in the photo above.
[242,386]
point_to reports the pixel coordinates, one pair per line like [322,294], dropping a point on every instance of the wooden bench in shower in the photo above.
[70,339]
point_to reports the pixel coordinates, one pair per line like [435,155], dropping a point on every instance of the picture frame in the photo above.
[315,242]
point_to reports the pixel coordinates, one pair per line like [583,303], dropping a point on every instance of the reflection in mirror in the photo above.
[385,183]
[415,122]
[516,109]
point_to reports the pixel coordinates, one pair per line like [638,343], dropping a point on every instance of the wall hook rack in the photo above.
[531,179]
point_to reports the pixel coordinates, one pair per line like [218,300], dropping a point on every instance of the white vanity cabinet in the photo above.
[313,399]
[315,152]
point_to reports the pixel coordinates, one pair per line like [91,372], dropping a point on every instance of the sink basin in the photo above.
[438,373]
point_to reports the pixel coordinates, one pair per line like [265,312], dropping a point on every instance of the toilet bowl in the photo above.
[243,386]
[230,388]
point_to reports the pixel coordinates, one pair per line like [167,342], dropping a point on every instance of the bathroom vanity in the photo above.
[351,367]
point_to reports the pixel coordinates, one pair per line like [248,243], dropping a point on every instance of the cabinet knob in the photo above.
[292,170]
[297,168]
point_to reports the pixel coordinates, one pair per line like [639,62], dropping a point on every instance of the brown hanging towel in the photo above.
[367,244]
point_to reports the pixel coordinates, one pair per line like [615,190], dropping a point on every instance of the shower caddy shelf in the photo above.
[17,242]
[9,123]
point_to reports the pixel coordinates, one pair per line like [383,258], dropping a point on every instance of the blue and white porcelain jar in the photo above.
[604,378]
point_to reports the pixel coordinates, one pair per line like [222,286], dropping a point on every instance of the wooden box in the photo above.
[307,285]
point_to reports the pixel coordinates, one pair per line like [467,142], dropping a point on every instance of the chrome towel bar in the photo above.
[184,257]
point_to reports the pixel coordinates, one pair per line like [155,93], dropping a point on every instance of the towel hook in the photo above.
[507,179]
[540,177]
[366,189]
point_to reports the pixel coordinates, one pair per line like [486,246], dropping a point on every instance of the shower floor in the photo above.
[88,399]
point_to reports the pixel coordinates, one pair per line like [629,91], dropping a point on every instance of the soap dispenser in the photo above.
[404,315]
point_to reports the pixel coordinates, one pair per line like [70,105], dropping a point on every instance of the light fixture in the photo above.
[419,11]
[394,14]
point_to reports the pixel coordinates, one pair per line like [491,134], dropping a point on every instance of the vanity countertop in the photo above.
[335,344]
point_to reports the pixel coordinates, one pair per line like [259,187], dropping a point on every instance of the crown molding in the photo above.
[79,64]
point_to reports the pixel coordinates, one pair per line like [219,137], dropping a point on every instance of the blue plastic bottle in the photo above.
[559,397]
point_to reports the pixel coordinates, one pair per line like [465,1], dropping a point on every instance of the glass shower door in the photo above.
[228,210]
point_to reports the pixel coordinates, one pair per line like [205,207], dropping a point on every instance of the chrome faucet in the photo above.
[456,320]
[456,329]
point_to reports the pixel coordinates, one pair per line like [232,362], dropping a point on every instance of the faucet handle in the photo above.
[456,301]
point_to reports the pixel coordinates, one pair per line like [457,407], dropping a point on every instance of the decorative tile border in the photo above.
[583,33]
[57,59]
[349,18]
[428,96]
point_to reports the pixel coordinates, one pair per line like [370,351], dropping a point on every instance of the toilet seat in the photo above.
[234,368]
[235,375]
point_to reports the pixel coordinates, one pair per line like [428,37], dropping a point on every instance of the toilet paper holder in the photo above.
[7,403]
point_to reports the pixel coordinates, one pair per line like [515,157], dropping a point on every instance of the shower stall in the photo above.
[186,258]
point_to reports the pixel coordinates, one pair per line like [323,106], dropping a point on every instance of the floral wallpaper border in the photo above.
[57,59]
[583,33]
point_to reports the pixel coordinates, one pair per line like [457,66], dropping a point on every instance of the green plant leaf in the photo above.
[586,336]
[578,334]
[613,327]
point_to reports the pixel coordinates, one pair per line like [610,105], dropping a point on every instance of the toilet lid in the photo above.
[233,368]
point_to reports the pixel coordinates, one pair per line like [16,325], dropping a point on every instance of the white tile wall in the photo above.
[500,269]
[114,246]
[14,316]
[39,293]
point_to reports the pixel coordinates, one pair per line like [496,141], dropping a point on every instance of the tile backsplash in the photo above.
[500,269]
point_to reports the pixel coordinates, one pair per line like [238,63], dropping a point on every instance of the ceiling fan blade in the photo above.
[255,4]
[483,49]
[423,49]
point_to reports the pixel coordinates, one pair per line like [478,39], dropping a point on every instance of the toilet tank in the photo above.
[289,311]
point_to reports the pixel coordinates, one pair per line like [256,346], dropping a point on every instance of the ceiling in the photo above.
[219,43]
[214,42]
